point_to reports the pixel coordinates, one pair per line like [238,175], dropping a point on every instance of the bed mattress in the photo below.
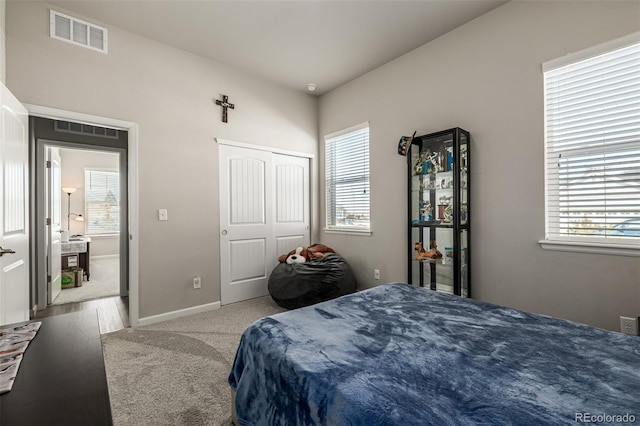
[403,355]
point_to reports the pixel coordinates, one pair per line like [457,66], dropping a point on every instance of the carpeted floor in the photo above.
[104,282]
[175,372]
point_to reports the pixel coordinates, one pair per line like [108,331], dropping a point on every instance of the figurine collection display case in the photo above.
[440,211]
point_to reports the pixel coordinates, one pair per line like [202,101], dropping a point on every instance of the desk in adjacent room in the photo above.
[62,378]
[81,247]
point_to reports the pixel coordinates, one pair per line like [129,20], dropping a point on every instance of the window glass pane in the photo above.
[347,180]
[102,202]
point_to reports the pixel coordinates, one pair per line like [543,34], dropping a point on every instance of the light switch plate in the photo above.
[162,214]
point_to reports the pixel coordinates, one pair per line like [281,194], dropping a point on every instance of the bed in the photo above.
[403,355]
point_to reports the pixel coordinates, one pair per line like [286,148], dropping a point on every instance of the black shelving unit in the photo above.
[440,211]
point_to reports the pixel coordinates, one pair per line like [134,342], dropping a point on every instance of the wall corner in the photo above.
[3,56]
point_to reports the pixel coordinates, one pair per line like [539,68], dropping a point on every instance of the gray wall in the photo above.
[2,41]
[486,78]
[170,94]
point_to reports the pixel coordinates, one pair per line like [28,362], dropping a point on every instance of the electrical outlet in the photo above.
[197,282]
[376,274]
[629,325]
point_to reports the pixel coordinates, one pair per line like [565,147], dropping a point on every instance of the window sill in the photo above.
[347,231]
[594,248]
[99,236]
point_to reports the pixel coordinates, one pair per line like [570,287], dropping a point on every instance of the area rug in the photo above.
[175,372]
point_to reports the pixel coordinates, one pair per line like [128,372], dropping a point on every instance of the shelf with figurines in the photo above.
[445,214]
[433,255]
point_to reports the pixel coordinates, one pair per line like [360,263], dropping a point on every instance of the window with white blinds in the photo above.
[347,179]
[102,202]
[592,146]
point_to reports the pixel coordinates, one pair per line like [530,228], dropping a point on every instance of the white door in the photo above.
[291,209]
[14,212]
[54,249]
[264,209]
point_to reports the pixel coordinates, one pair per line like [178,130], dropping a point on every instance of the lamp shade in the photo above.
[68,190]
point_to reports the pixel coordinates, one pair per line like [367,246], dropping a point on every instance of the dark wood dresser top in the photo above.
[62,378]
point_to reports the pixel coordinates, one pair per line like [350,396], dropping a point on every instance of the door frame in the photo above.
[49,188]
[133,202]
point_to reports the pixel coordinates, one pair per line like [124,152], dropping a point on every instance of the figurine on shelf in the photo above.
[423,165]
[436,162]
[426,211]
[448,214]
[427,164]
[417,169]
[450,158]
[463,158]
[445,200]
[443,206]
[463,213]
[433,252]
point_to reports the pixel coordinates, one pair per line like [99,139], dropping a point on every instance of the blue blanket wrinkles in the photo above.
[403,355]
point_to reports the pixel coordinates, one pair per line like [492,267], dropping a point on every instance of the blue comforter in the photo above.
[403,355]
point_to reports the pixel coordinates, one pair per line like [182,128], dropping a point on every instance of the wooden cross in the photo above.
[224,104]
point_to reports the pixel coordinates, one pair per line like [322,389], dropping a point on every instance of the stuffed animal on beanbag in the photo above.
[304,254]
[296,257]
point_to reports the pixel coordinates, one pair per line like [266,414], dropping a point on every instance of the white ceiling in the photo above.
[291,43]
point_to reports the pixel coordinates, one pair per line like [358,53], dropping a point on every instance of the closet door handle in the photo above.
[4,251]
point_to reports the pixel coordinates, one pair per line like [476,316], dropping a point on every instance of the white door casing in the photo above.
[54,248]
[132,192]
[14,213]
[264,210]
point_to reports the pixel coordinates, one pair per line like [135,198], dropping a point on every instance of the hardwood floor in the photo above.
[113,312]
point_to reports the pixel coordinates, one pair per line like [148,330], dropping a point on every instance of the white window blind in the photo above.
[347,179]
[592,147]
[102,202]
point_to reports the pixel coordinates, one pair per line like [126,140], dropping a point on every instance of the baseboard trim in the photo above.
[179,313]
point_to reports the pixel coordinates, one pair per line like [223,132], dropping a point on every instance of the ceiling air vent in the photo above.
[86,129]
[73,30]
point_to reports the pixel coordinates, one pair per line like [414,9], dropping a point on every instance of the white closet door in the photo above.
[291,216]
[264,212]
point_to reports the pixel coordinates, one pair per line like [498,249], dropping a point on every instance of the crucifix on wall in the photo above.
[224,104]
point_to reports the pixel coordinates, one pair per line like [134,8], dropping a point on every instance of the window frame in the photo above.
[594,244]
[349,230]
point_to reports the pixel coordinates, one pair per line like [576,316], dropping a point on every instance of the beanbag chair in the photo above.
[296,285]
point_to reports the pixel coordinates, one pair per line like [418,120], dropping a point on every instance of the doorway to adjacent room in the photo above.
[81,192]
